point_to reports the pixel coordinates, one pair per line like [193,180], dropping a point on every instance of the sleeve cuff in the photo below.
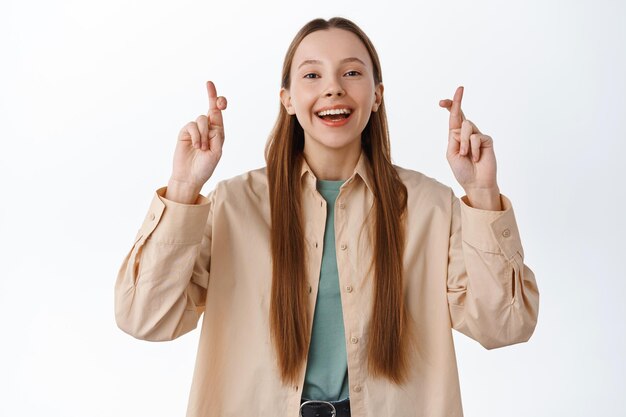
[175,223]
[491,231]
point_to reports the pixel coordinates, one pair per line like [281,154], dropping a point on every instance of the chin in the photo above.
[336,144]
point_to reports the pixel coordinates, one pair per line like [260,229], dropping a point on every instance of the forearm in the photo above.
[160,287]
[484,199]
[493,295]
[182,192]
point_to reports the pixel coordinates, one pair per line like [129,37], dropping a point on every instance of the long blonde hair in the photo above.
[289,317]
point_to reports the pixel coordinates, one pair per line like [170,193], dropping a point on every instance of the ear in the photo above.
[285,98]
[378,92]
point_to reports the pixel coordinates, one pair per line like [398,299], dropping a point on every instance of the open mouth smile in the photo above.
[335,117]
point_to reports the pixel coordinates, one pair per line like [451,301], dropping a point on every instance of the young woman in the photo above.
[329,279]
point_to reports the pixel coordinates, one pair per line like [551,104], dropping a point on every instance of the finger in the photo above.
[473,127]
[454,142]
[475,142]
[203,127]
[192,130]
[215,112]
[456,115]
[212,92]
[216,141]
[221,103]
[447,104]
[466,131]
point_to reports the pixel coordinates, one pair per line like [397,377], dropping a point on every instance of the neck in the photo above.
[332,164]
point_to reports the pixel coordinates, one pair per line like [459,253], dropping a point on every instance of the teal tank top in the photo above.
[326,375]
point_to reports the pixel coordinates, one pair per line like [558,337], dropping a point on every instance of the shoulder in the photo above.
[248,185]
[422,189]
[417,181]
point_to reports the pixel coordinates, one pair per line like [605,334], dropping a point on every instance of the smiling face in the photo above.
[331,69]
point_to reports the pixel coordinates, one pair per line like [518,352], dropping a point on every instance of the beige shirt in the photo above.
[463,269]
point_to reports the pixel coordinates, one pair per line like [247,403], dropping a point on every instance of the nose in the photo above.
[334,88]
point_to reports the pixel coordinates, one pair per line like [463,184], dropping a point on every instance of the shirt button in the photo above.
[152,216]
[354,339]
[344,246]
[342,205]
[316,244]
[349,288]
[310,289]
[357,388]
[506,233]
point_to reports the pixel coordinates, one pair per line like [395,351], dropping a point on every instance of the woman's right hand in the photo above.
[198,150]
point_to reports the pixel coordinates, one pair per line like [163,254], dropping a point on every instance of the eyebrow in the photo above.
[343,61]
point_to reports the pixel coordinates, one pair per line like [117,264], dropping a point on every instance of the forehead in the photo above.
[330,46]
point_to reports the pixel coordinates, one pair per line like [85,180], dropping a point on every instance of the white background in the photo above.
[93,94]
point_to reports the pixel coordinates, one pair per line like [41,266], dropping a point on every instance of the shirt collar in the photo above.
[362,170]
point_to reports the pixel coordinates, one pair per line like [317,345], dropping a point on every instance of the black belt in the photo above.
[316,408]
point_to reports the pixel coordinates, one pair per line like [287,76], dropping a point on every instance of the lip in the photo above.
[338,123]
[336,106]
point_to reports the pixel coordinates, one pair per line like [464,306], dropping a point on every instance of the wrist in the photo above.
[182,192]
[484,198]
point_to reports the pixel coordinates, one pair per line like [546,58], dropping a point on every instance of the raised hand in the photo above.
[198,150]
[470,155]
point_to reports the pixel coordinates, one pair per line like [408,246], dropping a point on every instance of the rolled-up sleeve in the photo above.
[492,295]
[160,290]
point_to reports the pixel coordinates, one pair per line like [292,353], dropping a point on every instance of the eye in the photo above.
[355,72]
[311,73]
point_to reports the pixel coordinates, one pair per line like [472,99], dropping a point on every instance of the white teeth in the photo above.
[334,111]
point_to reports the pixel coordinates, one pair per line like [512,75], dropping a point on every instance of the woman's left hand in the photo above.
[470,152]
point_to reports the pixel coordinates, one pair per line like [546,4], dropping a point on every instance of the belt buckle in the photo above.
[332,407]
